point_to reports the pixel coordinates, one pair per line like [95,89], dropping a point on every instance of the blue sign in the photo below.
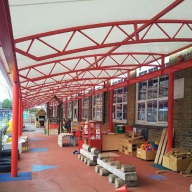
[5,114]
[25,115]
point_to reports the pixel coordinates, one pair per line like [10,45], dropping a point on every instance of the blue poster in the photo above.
[25,115]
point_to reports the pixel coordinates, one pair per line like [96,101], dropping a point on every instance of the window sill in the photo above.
[150,125]
[119,121]
[97,119]
[84,119]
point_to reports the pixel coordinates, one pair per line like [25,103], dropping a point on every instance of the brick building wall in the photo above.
[154,134]
[131,104]
[182,108]
[182,112]
[131,101]
[106,106]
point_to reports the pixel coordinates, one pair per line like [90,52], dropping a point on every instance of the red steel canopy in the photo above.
[68,47]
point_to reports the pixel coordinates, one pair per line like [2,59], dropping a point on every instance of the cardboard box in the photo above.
[146,155]
[166,161]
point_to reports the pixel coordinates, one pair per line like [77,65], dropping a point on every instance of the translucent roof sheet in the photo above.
[65,47]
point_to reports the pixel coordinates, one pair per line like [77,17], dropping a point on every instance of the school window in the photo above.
[97,106]
[85,107]
[63,110]
[69,112]
[75,110]
[120,104]
[152,101]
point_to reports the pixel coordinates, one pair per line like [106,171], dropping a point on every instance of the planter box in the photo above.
[146,155]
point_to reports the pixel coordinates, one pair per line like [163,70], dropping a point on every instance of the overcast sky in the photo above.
[3,88]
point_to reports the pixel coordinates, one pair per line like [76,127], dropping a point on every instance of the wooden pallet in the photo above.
[130,153]
[163,149]
[188,171]
[162,146]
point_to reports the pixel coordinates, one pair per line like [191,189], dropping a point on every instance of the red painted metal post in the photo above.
[80,110]
[19,117]
[14,151]
[111,111]
[66,108]
[170,112]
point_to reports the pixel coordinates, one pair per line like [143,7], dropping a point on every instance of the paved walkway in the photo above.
[56,169]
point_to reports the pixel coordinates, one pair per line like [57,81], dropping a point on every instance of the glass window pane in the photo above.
[141,111]
[125,94]
[163,86]
[119,111]
[152,88]
[69,109]
[163,111]
[97,106]
[85,104]
[152,111]
[119,95]
[142,88]
[85,113]
[125,111]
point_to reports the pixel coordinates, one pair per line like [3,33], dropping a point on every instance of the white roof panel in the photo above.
[67,43]
[46,15]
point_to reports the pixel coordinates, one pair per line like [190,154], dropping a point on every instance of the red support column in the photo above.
[80,110]
[170,112]
[111,111]
[66,108]
[14,153]
[162,62]
[19,118]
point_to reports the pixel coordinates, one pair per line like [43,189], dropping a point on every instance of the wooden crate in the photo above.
[179,164]
[146,155]
[53,131]
[136,141]
[166,161]
[176,164]
[127,149]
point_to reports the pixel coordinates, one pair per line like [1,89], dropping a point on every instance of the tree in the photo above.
[7,103]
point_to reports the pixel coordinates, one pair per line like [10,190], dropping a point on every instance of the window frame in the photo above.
[145,101]
[116,103]
[75,107]
[85,108]
[95,107]
[69,108]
